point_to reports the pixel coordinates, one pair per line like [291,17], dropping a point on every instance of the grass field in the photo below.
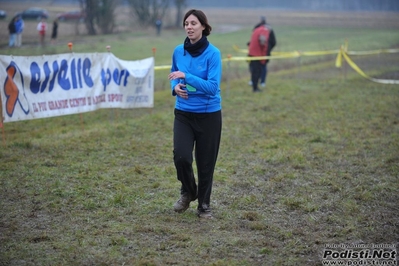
[311,161]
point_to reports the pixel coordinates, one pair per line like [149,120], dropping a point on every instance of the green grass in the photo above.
[311,161]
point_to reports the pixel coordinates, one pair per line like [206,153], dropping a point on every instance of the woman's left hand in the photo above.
[180,90]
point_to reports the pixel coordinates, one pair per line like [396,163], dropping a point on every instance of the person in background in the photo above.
[158,24]
[19,27]
[195,82]
[271,44]
[42,28]
[12,32]
[54,32]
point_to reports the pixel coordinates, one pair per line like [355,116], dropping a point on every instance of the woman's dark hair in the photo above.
[202,19]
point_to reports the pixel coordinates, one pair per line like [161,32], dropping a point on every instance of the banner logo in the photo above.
[12,92]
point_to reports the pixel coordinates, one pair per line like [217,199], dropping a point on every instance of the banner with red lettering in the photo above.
[33,87]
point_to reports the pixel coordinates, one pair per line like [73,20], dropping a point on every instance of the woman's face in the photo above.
[193,28]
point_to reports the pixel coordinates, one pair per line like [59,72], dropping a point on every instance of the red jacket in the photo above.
[42,27]
[259,42]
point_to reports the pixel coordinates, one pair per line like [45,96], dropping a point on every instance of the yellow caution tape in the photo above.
[319,52]
[291,54]
[341,53]
[245,51]
[313,53]
[251,58]
[358,70]
[162,67]
[380,51]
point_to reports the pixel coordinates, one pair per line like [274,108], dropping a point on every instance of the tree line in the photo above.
[337,5]
[100,14]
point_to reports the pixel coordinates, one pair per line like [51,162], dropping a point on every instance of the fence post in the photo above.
[2,124]
[299,63]
[228,74]
[345,63]
[70,45]
[112,113]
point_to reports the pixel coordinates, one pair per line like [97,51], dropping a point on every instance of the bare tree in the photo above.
[99,14]
[180,5]
[148,11]
[105,18]
[89,7]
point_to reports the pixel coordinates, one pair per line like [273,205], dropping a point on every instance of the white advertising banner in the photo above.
[33,87]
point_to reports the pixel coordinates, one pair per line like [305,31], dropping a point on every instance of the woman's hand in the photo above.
[180,90]
[176,75]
